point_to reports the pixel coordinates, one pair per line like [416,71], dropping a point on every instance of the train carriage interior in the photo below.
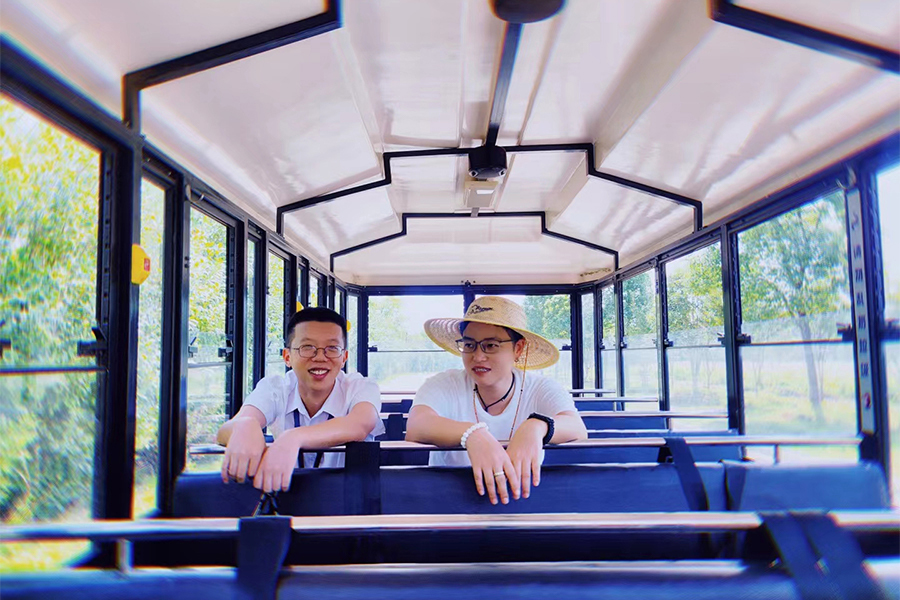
[692,200]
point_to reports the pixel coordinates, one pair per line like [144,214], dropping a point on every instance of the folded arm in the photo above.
[278,462]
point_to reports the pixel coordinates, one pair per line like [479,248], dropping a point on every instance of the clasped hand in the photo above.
[501,473]
[247,456]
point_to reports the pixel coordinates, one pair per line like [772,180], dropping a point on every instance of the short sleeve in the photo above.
[551,398]
[362,389]
[437,394]
[268,397]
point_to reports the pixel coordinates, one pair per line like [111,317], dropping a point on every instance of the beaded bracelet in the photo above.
[470,431]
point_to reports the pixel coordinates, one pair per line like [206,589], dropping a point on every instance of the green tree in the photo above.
[793,270]
[549,316]
[49,193]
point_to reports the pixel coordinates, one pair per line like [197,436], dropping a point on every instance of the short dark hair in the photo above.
[318,314]
[514,335]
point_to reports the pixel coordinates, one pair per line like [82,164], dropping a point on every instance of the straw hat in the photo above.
[494,310]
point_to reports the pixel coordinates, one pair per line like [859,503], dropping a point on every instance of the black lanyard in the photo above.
[319,454]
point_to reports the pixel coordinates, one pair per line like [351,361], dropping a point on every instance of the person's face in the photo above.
[490,369]
[318,373]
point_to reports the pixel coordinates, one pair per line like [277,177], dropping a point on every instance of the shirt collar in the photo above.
[332,405]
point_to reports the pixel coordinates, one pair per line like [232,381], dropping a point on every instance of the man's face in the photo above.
[316,374]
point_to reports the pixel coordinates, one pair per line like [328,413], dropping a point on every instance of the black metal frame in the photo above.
[405,217]
[728,13]
[209,58]
[30,82]
[260,278]
[587,148]
[118,224]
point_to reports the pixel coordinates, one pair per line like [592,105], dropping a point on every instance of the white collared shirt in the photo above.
[278,397]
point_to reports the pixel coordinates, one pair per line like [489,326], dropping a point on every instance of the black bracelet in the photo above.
[550,428]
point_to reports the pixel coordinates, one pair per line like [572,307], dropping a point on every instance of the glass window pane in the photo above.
[697,383]
[608,338]
[48,288]
[777,387]
[313,289]
[339,301]
[406,357]
[208,373]
[352,333]
[794,287]
[793,273]
[589,373]
[249,384]
[641,374]
[47,432]
[639,305]
[275,334]
[888,184]
[608,370]
[696,362]
[694,295]
[146,443]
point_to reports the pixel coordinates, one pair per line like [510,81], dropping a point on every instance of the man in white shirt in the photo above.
[314,405]
[491,399]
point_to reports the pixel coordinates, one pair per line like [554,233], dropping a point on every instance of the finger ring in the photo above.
[499,474]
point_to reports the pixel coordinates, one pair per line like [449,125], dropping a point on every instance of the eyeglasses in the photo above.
[310,351]
[488,346]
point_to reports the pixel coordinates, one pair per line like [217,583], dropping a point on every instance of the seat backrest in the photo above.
[795,487]
[570,488]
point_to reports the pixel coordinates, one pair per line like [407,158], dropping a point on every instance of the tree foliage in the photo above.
[48,251]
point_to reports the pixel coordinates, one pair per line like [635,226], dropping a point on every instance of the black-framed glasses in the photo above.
[310,351]
[488,345]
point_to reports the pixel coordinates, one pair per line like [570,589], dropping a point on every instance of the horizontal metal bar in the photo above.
[238,49]
[727,13]
[158,529]
[12,371]
[637,442]
[796,343]
[206,365]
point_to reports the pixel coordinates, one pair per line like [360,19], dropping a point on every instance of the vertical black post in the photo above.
[868,294]
[662,336]
[598,333]
[468,296]
[239,330]
[117,311]
[731,297]
[620,336]
[259,308]
[290,284]
[577,333]
[362,333]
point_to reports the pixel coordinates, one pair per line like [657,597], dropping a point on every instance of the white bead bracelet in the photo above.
[470,431]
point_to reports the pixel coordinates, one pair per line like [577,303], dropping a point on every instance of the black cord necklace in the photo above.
[502,398]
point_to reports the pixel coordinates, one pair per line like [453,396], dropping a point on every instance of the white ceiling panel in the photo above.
[414,74]
[133,35]
[304,140]
[428,183]
[875,22]
[595,41]
[621,219]
[747,104]
[344,222]
[454,250]
[537,180]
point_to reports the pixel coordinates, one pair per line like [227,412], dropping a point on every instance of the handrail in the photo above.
[153,529]
[618,414]
[628,442]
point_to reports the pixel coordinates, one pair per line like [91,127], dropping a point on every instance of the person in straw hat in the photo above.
[491,399]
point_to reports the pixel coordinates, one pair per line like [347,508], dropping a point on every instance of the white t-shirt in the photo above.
[278,397]
[452,395]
